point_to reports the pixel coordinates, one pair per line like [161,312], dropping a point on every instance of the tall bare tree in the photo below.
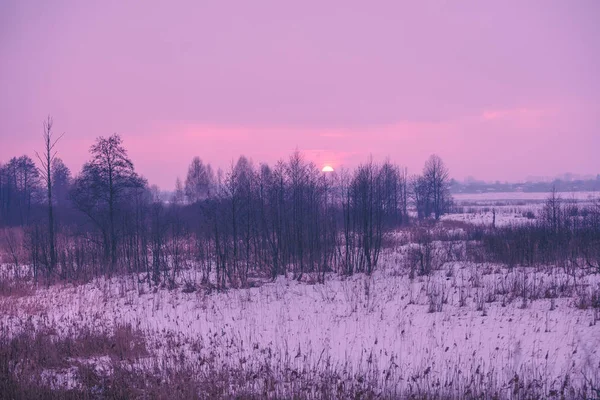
[45,171]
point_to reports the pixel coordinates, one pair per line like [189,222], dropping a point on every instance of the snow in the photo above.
[376,324]
[539,196]
[487,218]
[510,208]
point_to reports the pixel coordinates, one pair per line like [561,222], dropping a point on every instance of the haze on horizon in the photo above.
[500,90]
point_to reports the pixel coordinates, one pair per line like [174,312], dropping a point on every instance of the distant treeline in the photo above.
[588,185]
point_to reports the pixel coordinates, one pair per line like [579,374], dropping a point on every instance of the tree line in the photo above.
[230,226]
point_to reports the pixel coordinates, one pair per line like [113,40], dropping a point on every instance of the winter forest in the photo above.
[250,221]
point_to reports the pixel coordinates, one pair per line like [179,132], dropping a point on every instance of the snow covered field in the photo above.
[462,330]
[509,207]
[539,196]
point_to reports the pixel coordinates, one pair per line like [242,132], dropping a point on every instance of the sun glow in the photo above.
[327,168]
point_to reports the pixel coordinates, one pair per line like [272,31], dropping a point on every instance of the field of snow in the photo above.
[532,196]
[509,207]
[486,217]
[460,331]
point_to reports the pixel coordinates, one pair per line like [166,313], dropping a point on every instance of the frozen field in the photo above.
[509,207]
[524,196]
[463,330]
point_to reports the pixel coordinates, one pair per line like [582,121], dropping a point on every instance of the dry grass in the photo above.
[36,362]
[33,362]
[15,288]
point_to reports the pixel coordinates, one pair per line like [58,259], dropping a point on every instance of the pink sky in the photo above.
[500,89]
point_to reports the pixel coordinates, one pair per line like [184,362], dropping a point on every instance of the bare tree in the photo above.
[368,208]
[437,177]
[102,184]
[200,181]
[552,211]
[363,208]
[179,194]
[61,182]
[28,186]
[420,192]
[45,170]
[394,194]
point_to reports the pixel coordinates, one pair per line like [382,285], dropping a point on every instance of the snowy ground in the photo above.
[503,217]
[522,196]
[509,207]
[461,329]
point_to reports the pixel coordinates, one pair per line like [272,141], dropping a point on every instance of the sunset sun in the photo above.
[327,168]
